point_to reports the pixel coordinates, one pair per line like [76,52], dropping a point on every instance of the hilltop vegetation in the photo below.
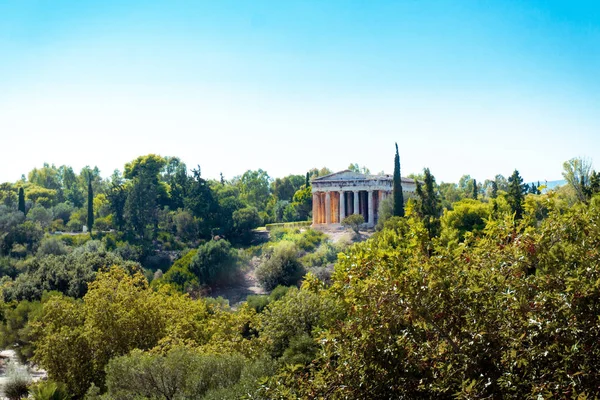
[478,291]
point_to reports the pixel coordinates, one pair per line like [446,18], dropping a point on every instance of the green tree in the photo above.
[284,188]
[474,190]
[215,262]
[244,220]
[494,189]
[200,201]
[299,313]
[577,173]
[397,189]
[22,200]
[280,267]
[255,188]
[90,207]
[516,194]
[468,215]
[354,167]
[429,208]
[117,199]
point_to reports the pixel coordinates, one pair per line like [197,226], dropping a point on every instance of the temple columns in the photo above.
[327,208]
[371,214]
[316,208]
[332,206]
[342,207]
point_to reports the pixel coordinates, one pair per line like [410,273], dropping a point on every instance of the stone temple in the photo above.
[337,195]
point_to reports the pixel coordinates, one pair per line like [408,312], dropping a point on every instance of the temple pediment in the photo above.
[345,175]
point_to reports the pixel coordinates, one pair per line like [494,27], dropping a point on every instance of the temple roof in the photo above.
[347,175]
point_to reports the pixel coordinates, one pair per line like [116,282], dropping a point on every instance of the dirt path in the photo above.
[10,356]
[245,286]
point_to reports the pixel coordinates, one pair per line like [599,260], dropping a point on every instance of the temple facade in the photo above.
[337,195]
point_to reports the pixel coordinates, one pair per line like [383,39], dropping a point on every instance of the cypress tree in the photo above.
[516,190]
[21,200]
[90,213]
[397,190]
[494,193]
[307,183]
[429,206]
[475,189]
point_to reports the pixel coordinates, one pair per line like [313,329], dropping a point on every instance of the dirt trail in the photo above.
[245,286]
[7,356]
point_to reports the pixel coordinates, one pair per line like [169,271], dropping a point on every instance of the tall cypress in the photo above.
[494,193]
[475,189]
[429,207]
[516,191]
[90,216]
[21,200]
[398,196]
[307,183]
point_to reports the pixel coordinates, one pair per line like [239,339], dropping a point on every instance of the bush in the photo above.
[282,267]
[215,262]
[260,301]
[62,211]
[310,239]
[128,251]
[180,374]
[18,381]
[102,224]
[354,222]
[52,245]
[49,390]
[290,319]
[15,389]
[284,225]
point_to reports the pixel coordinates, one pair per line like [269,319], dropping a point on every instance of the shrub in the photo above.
[52,245]
[17,385]
[179,274]
[102,224]
[271,227]
[282,267]
[49,390]
[180,374]
[310,239]
[295,315]
[258,302]
[215,262]
[354,222]
[62,211]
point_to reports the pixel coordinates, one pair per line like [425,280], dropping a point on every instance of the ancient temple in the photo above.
[337,195]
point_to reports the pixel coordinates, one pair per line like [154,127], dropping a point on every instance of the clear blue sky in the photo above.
[465,87]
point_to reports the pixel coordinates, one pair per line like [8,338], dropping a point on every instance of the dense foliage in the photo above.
[480,291]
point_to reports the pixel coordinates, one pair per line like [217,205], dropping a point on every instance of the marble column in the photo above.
[356,210]
[322,209]
[327,208]
[370,208]
[342,206]
[315,209]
